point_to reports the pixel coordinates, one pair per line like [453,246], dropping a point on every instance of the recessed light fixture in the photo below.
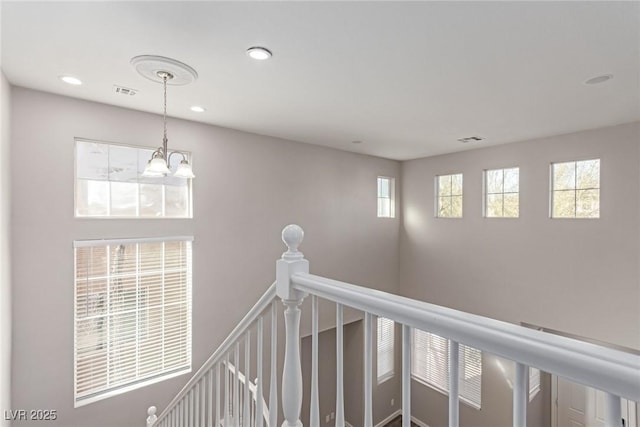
[71,80]
[259,53]
[599,79]
[198,109]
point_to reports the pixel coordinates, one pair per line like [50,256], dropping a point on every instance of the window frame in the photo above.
[439,387]
[85,398]
[575,188]
[450,196]
[391,198]
[485,193]
[391,372]
[187,153]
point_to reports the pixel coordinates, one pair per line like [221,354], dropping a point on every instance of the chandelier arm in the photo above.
[184,156]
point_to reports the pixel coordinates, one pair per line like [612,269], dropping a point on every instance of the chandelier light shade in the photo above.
[165,70]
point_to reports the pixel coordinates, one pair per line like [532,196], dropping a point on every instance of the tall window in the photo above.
[385,348]
[386,197]
[502,193]
[430,366]
[109,183]
[449,196]
[132,314]
[575,189]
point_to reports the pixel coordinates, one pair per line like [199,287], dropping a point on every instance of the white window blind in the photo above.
[132,314]
[385,348]
[386,197]
[430,366]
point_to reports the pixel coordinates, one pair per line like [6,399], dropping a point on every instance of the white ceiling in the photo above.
[406,78]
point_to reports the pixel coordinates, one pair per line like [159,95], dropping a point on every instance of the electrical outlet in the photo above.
[327,418]
[393,401]
[333,415]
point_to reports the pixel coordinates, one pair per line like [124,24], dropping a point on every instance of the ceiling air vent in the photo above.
[470,139]
[124,90]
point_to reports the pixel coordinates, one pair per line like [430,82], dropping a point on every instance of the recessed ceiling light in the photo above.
[198,109]
[599,79]
[71,80]
[259,53]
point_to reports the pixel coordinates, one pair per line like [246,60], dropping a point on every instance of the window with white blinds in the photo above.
[132,314]
[430,366]
[385,349]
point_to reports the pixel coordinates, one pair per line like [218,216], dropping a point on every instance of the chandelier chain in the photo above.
[164,116]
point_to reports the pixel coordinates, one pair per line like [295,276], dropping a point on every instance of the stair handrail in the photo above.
[265,300]
[615,372]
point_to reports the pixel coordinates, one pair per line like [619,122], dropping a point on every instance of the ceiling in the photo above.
[408,79]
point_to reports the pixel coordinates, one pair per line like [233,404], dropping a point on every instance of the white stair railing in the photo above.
[610,370]
[235,401]
[615,372]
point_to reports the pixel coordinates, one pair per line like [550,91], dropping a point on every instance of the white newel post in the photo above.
[292,262]
[151,416]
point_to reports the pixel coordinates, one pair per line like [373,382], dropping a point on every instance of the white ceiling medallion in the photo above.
[151,66]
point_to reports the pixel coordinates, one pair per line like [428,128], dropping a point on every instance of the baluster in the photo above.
[236,385]
[520,395]
[191,414]
[217,394]
[613,412]
[315,405]
[226,391]
[292,262]
[406,376]
[181,414]
[203,403]
[196,402]
[339,368]
[209,398]
[247,380]
[454,396]
[259,417]
[368,369]
[273,388]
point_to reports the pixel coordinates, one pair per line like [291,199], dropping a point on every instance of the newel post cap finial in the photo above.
[152,418]
[292,236]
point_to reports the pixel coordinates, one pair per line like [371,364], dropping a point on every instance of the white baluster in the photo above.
[454,397]
[203,403]
[273,389]
[209,398]
[259,408]
[217,395]
[196,401]
[315,401]
[613,413]
[227,420]
[368,370]
[191,414]
[247,375]
[151,416]
[339,367]
[292,262]
[236,386]
[406,376]
[520,395]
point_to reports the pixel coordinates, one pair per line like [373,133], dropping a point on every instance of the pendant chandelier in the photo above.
[164,70]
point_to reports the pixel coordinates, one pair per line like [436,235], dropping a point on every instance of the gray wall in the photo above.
[577,276]
[5,264]
[247,188]
[353,377]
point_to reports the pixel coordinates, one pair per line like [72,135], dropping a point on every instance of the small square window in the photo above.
[449,196]
[502,193]
[575,189]
[386,197]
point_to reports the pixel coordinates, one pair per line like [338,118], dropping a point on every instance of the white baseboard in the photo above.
[395,414]
[389,418]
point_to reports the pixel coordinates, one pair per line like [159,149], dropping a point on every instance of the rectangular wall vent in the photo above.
[124,90]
